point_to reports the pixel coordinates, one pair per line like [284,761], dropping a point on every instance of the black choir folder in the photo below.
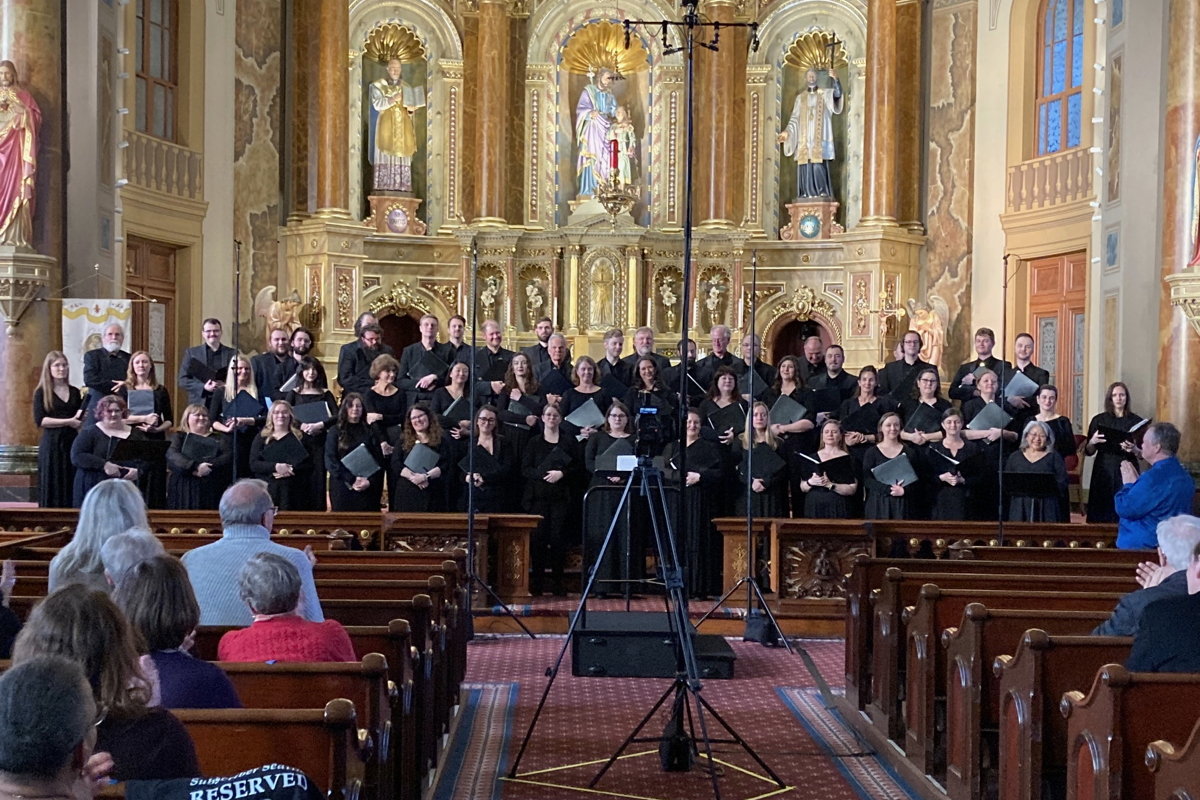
[786,411]
[459,411]
[614,386]
[897,470]
[198,370]
[309,413]
[200,448]
[864,419]
[555,383]
[926,419]
[360,462]
[127,450]
[556,459]
[522,410]
[825,400]
[838,470]
[1030,484]
[966,464]
[765,464]
[606,462]
[751,384]
[284,450]
[1113,437]
[731,416]
[495,371]
[422,458]
[485,462]
[243,405]
[430,364]
[990,416]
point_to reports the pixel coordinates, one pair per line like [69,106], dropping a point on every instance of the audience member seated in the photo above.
[270,586]
[1177,538]
[247,515]
[10,623]
[48,733]
[1168,638]
[159,603]
[85,626]
[123,552]
[111,507]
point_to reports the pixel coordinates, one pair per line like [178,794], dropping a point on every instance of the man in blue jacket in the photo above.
[1162,491]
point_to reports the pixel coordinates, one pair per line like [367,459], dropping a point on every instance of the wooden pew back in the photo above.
[1176,769]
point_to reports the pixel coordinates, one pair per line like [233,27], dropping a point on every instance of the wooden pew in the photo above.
[1109,729]
[925,666]
[1074,555]
[968,741]
[1032,681]
[325,743]
[1176,771]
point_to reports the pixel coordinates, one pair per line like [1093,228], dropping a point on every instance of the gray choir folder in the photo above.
[140,402]
[361,462]
[587,415]
[522,410]
[897,469]
[422,458]
[607,461]
[243,405]
[990,416]
[309,413]
[291,384]
[786,411]
[285,450]
[200,448]
[1019,385]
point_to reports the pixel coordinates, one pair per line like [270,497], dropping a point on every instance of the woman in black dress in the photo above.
[520,387]
[952,493]
[549,463]
[245,429]
[385,410]
[647,382]
[1037,454]
[796,438]
[928,392]
[421,491]
[1106,469]
[92,450]
[1062,432]
[496,463]
[601,506]
[347,492]
[996,443]
[722,393]
[823,498]
[285,482]
[57,410]
[195,485]
[886,501]
[701,544]
[769,495]
[141,376]
[584,375]
[446,396]
[313,387]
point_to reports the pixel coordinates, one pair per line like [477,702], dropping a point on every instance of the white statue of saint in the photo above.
[809,135]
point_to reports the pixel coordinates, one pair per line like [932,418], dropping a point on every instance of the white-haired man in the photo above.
[1177,538]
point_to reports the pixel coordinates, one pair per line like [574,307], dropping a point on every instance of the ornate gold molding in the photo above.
[1185,294]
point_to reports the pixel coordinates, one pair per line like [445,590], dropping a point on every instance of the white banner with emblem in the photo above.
[83,323]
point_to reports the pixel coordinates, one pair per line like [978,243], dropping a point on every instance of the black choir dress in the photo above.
[314,498]
[407,497]
[515,426]
[341,496]
[600,509]
[387,430]
[287,493]
[156,481]
[950,503]
[244,436]
[573,399]
[1106,469]
[880,502]
[89,452]
[558,529]
[820,502]
[188,492]
[56,475]
[498,492]
[985,497]
[702,547]
[441,402]
[866,423]
[770,503]
[922,499]
[1038,509]
[793,444]
[1064,445]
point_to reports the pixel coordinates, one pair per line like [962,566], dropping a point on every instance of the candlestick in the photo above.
[615,149]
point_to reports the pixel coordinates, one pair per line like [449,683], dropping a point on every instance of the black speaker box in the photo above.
[640,644]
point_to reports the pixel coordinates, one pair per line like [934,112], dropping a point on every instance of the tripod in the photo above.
[686,687]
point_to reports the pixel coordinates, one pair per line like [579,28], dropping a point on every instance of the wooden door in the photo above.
[150,284]
[1057,298]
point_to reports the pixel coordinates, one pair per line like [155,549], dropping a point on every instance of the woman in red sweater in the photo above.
[270,585]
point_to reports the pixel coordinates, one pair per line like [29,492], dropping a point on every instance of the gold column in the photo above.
[879,125]
[718,133]
[909,114]
[491,121]
[1179,344]
[333,100]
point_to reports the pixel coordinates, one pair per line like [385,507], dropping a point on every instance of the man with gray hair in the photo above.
[643,345]
[1162,491]
[719,356]
[105,368]
[247,515]
[1177,538]
[122,553]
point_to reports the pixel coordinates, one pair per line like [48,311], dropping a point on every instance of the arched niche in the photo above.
[804,305]
[771,93]
[435,27]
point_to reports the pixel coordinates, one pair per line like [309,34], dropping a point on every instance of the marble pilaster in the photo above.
[910,114]
[718,125]
[333,98]
[492,112]
[879,125]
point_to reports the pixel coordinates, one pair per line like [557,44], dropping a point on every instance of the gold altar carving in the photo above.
[811,51]
[602,45]
[400,299]
[805,305]
[1185,294]
[393,40]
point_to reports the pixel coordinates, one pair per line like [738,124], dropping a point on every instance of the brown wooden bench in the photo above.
[326,744]
[1176,770]
[1032,681]
[1109,729]
[1076,555]
[968,742]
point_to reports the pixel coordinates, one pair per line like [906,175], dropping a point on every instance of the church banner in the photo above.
[83,324]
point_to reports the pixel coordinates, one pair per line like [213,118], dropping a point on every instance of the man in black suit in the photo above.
[211,354]
[1168,634]
[1023,350]
[813,363]
[612,363]
[415,378]
[273,368]
[488,358]
[1177,537]
[643,345]
[751,349]
[962,388]
[696,390]
[720,356]
[898,377]
[834,377]
[104,368]
[538,353]
[558,360]
[456,327]
[350,362]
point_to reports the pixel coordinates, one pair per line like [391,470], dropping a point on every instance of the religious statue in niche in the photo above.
[393,136]
[666,291]
[625,138]
[535,299]
[20,121]
[595,114]
[1194,261]
[808,136]
[487,298]
[714,301]
[601,313]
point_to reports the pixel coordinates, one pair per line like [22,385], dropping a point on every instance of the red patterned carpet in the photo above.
[772,702]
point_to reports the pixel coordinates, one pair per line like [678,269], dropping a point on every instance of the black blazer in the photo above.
[354,368]
[1168,638]
[218,361]
[100,369]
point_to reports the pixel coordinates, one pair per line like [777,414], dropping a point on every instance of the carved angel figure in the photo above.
[284,313]
[931,321]
[534,300]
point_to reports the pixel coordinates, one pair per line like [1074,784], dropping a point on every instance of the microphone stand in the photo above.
[237,348]
[1000,393]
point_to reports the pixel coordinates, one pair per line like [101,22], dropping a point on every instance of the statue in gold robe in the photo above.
[393,136]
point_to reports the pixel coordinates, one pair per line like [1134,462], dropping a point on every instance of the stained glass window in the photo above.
[1060,75]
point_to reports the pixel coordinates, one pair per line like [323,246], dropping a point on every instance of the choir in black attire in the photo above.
[552,500]
[347,434]
[56,475]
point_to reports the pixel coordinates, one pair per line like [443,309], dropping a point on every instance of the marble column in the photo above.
[718,126]
[909,114]
[333,100]
[491,158]
[300,124]
[879,125]
[31,34]
[1179,343]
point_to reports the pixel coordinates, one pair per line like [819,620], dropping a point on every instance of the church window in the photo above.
[1060,75]
[157,79]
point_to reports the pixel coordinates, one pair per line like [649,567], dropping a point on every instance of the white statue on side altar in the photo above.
[622,133]
[594,115]
[393,137]
[809,135]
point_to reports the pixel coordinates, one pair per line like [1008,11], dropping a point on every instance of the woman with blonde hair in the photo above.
[57,410]
[768,492]
[200,471]
[239,379]
[140,377]
[287,480]
[111,507]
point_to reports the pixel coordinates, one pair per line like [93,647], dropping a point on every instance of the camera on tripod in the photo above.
[649,434]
